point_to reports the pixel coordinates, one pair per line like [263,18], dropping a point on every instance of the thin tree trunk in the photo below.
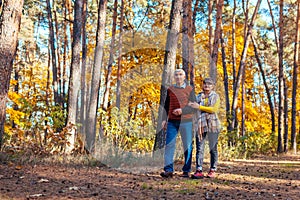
[214,55]
[53,55]
[186,36]
[118,100]
[169,67]
[191,44]
[111,58]
[243,104]
[225,77]
[295,82]
[233,54]
[273,25]
[74,85]
[10,20]
[245,7]
[286,126]
[269,96]
[246,14]
[280,122]
[210,26]
[93,102]
[230,119]
[83,68]
[280,87]
[242,65]
[66,44]
[57,52]
[47,99]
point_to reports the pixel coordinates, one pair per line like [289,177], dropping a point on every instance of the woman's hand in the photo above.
[194,105]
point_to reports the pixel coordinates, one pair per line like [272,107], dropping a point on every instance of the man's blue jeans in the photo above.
[185,129]
[213,150]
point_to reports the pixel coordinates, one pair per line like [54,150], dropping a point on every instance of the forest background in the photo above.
[89,76]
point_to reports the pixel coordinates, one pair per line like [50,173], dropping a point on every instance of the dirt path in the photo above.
[262,178]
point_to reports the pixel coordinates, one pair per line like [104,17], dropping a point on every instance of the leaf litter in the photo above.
[276,177]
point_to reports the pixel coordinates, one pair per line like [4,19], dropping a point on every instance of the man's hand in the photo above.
[177,112]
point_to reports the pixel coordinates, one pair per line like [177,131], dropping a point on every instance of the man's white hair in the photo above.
[179,70]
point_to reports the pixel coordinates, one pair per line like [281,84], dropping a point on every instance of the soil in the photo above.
[276,177]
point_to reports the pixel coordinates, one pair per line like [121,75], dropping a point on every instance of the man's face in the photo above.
[179,78]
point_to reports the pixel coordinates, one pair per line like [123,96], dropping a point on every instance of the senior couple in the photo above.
[193,117]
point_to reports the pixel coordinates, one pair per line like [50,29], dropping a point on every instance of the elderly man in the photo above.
[178,118]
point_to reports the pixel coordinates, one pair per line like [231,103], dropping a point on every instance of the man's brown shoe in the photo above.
[166,174]
[185,175]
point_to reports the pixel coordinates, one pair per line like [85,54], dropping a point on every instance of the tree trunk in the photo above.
[242,65]
[279,46]
[58,67]
[192,43]
[210,26]
[53,55]
[169,66]
[10,20]
[243,118]
[83,68]
[64,65]
[93,102]
[233,54]
[74,85]
[225,77]
[186,29]
[295,82]
[214,55]
[243,104]
[230,119]
[118,98]
[111,57]
[280,123]
[262,72]
[286,125]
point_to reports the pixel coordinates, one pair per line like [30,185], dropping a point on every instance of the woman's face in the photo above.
[207,87]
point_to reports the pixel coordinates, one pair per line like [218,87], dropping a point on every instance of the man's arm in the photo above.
[188,109]
[166,107]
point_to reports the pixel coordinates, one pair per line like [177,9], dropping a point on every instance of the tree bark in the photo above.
[214,55]
[233,54]
[118,91]
[169,66]
[242,65]
[83,68]
[74,85]
[10,20]
[280,122]
[186,29]
[262,72]
[210,26]
[111,58]
[286,125]
[93,102]
[53,54]
[295,82]
[225,77]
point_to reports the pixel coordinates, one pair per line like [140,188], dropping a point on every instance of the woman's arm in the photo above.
[211,109]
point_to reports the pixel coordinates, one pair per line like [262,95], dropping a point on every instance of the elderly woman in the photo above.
[208,102]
